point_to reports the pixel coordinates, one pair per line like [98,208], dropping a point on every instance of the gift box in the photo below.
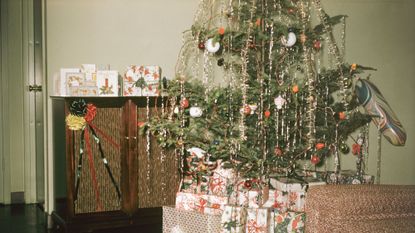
[233,219]
[195,184]
[221,181]
[249,193]
[282,222]
[142,81]
[289,194]
[205,204]
[258,220]
[187,201]
[107,82]
[175,221]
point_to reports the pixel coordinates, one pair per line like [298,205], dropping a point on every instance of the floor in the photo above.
[21,218]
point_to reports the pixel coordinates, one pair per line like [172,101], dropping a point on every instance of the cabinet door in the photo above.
[158,176]
[95,157]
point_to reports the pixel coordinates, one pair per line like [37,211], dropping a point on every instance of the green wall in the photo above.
[124,32]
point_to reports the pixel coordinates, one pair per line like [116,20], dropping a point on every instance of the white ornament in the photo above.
[176,110]
[290,41]
[197,151]
[210,47]
[279,102]
[253,108]
[195,112]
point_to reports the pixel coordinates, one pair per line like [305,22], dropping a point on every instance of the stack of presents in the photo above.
[236,204]
[89,81]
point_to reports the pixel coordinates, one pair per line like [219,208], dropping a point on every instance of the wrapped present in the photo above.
[282,222]
[107,82]
[205,204]
[277,199]
[249,193]
[289,194]
[187,201]
[142,81]
[175,220]
[213,205]
[234,219]
[221,181]
[258,220]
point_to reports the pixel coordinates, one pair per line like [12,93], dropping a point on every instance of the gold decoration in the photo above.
[75,122]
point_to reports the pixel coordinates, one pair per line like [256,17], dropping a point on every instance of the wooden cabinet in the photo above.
[111,154]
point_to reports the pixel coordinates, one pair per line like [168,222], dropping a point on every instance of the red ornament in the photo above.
[356,149]
[267,113]
[184,103]
[201,45]
[277,151]
[291,10]
[315,159]
[248,184]
[91,111]
[295,89]
[317,44]
[342,115]
[221,31]
[320,146]
[247,110]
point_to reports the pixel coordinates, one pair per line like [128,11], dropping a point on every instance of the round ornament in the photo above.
[267,113]
[317,45]
[342,115]
[195,111]
[315,159]
[201,45]
[279,102]
[247,110]
[320,146]
[248,184]
[184,103]
[290,40]
[221,61]
[278,151]
[221,31]
[210,47]
[344,148]
[295,89]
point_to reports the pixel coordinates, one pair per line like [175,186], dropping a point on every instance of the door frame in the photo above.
[5,197]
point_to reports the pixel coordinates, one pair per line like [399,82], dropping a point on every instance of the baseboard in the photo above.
[17,198]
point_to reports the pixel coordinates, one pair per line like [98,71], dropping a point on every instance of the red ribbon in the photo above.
[105,136]
[92,169]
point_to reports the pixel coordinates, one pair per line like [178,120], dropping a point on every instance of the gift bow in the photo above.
[253,227]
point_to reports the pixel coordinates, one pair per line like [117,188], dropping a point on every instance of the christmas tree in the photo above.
[261,86]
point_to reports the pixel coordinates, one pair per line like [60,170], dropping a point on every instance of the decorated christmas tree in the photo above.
[262,86]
